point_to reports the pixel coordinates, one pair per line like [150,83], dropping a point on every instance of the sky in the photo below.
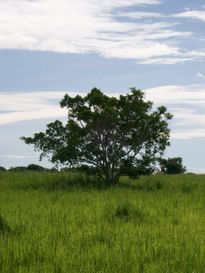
[49,48]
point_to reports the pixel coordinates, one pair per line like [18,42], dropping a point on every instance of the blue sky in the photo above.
[48,48]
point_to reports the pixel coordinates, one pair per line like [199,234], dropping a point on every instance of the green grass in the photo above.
[60,223]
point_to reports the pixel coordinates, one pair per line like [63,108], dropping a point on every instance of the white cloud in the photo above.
[188,118]
[187,134]
[194,53]
[192,14]
[178,94]
[200,75]
[173,60]
[140,15]
[187,103]
[27,101]
[87,26]
[18,156]
[48,112]
[29,106]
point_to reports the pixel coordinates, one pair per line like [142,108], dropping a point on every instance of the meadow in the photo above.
[66,223]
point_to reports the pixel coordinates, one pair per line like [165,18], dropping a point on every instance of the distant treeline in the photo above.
[31,167]
[165,166]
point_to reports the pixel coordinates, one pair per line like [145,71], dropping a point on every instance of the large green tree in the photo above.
[109,133]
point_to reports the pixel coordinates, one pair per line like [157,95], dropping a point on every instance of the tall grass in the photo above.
[60,223]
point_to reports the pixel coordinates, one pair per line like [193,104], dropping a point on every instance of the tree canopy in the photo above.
[172,165]
[113,134]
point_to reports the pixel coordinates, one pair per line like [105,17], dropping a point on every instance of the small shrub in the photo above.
[187,188]
[35,167]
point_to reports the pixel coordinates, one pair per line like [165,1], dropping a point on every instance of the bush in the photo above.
[35,167]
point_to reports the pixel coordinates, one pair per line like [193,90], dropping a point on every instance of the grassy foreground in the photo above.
[57,223]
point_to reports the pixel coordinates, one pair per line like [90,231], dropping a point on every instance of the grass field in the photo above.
[59,223]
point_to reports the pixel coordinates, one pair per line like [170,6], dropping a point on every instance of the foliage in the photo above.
[144,166]
[108,133]
[172,165]
[2,169]
[35,167]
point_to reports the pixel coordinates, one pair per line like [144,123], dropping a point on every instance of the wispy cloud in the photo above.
[187,103]
[18,156]
[88,26]
[200,75]
[188,133]
[140,15]
[30,106]
[178,94]
[192,14]
[165,60]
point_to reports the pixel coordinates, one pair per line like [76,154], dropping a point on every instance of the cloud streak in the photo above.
[187,103]
[18,156]
[191,95]
[89,26]
[200,75]
[192,14]
[30,106]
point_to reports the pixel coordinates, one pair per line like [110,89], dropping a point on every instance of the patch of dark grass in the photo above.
[175,221]
[128,212]
[58,181]
[63,182]
[153,183]
[123,210]
[144,183]
[187,188]
[4,227]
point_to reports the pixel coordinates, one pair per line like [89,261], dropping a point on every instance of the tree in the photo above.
[108,133]
[172,165]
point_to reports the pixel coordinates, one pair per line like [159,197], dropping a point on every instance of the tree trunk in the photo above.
[111,178]
[107,176]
